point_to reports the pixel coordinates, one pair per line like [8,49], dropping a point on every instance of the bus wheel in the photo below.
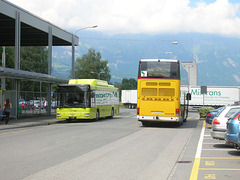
[144,123]
[179,124]
[97,115]
[112,113]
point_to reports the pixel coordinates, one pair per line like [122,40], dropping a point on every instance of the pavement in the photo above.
[37,121]
[29,122]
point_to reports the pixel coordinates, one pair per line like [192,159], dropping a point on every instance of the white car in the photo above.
[219,126]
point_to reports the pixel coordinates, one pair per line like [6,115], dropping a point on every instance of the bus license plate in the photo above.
[157,112]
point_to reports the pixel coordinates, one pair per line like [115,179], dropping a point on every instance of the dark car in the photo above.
[211,114]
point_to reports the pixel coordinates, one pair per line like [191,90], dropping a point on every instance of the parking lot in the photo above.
[214,159]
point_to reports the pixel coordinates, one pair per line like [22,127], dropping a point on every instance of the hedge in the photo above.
[203,111]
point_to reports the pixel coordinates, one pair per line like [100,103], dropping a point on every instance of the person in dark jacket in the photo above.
[7,108]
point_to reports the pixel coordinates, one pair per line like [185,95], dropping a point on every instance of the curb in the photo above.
[30,124]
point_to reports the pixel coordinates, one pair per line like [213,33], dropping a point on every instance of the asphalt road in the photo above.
[118,148]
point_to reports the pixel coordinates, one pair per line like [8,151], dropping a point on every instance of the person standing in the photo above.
[6,110]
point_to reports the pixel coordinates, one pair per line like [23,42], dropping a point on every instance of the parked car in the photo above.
[238,142]
[231,136]
[211,114]
[44,104]
[35,104]
[219,126]
[21,102]
[54,104]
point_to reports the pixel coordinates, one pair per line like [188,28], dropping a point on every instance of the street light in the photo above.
[73,47]
[89,27]
[97,73]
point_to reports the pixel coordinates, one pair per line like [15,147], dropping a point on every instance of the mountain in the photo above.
[218,57]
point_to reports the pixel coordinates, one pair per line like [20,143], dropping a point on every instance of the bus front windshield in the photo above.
[73,97]
[158,69]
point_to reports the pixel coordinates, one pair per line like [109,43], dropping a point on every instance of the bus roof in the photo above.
[94,83]
[159,60]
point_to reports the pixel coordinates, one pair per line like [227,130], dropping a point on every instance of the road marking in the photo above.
[209,163]
[218,169]
[210,143]
[220,157]
[195,169]
[16,132]
[229,149]
[4,133]
[210,176]
[21,131]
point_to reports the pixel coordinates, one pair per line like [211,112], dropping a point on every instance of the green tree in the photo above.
[34,59]
[9,52]
[90,66]
[129,84]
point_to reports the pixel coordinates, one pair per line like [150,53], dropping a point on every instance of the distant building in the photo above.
[191,68]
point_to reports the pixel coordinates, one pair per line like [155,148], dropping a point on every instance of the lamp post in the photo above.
[89,27]
[97,73]
[73,47]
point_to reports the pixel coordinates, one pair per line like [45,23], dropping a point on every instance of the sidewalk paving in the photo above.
[29,122]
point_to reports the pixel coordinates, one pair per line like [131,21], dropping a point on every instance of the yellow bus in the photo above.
[159,91]
[86,99]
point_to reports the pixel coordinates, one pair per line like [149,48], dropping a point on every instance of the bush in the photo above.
[203,111]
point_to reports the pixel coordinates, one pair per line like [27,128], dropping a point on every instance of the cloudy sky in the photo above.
[140,16]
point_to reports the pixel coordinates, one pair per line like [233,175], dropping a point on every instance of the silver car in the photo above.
[219,126]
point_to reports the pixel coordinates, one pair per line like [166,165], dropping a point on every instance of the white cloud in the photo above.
[139,16]
[236,77]
[230,61]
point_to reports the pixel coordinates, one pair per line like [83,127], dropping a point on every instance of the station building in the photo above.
[20,28]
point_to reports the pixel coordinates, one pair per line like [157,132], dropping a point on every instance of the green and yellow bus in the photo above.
[86,99]
[159,91]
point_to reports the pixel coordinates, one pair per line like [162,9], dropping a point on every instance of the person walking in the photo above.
[6,110]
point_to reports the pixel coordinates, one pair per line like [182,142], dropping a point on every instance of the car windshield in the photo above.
[232,111]
[220,111]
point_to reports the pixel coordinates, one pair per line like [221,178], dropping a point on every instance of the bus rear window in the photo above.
[166,92]
[155,69]
[149,91]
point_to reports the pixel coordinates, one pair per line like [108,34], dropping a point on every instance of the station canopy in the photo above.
[33,31]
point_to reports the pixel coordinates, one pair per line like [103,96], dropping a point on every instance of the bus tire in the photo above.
[179,124]
[144,123]
[112,113]
[97,115]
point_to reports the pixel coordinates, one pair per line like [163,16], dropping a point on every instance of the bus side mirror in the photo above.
[189,96]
